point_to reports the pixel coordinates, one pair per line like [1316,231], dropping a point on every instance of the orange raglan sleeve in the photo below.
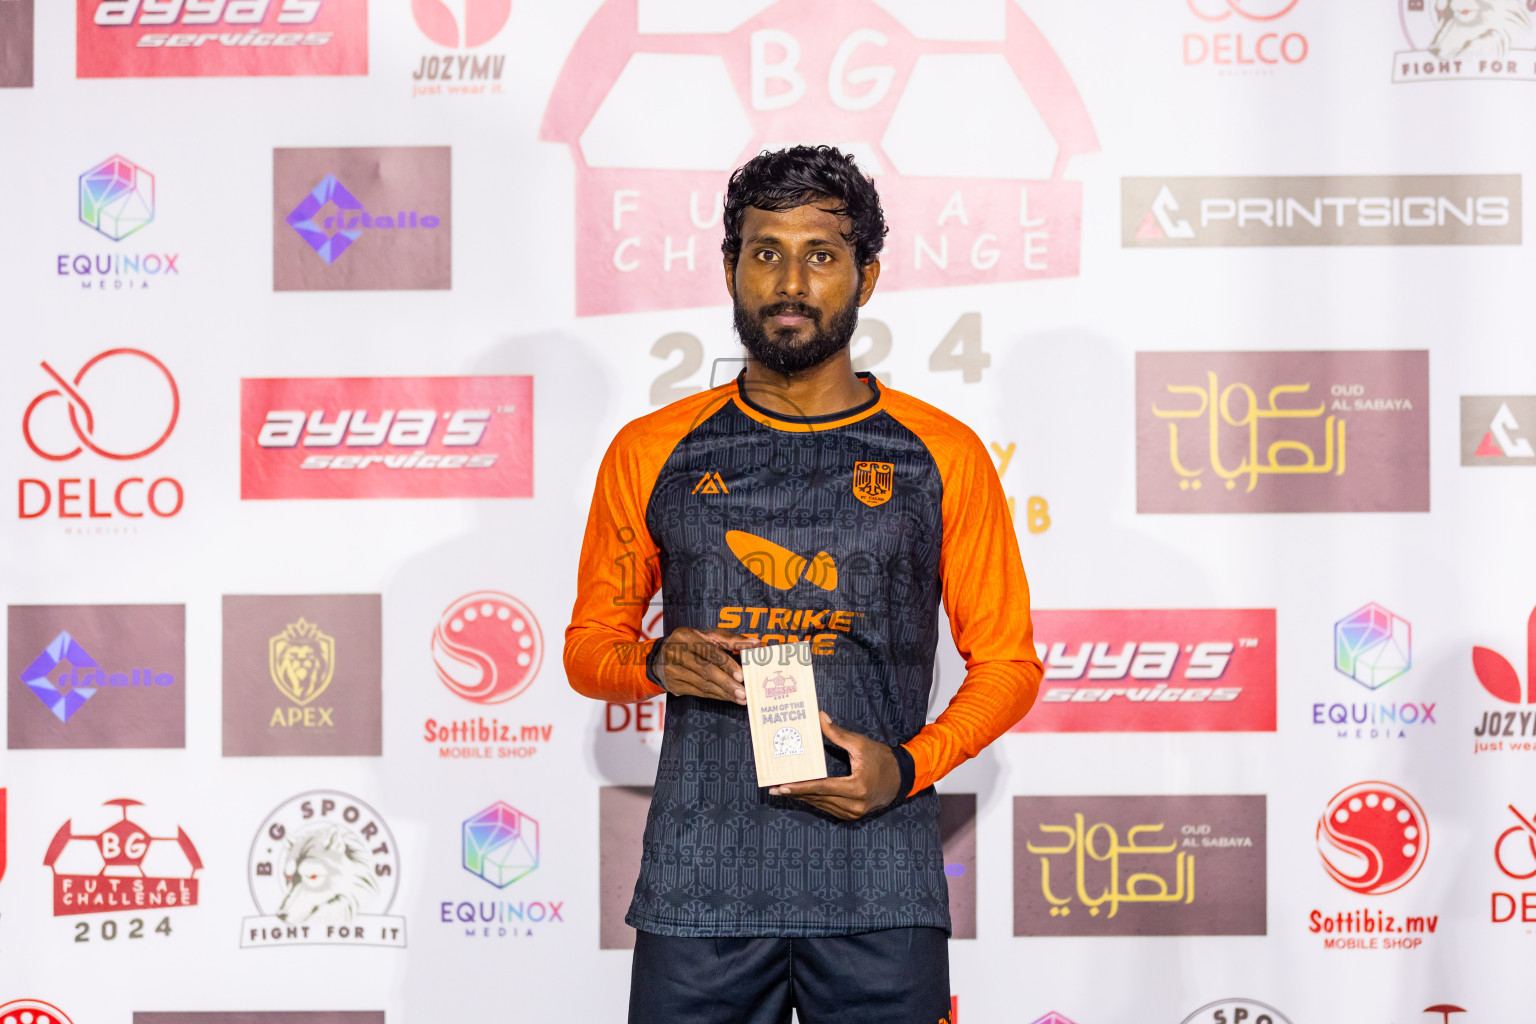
[619,572]
[986,596]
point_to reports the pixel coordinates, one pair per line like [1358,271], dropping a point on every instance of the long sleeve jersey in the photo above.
[845,531]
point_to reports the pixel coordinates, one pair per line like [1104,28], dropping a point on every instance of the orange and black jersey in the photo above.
[845,531]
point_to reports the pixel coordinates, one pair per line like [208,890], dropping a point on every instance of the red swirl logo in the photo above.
[1515,851]
[1253,10]
[94,432]
[1373,838]
[487,647]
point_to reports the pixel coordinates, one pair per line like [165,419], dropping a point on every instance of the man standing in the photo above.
[802,501]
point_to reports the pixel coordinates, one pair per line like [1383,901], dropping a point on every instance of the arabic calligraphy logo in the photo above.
[31,1011]
[778,566]
[873,482]
[1216,404]
[80,409]
[1159,222]
[1253,10]
[1082,843]
[1522,852]
[487,647]
[1373,838]
[302,661]
[482,20]
[1498,676]
[1499,443]
[117,197]
[1373,646]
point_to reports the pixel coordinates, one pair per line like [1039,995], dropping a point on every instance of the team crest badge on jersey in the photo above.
[873,482]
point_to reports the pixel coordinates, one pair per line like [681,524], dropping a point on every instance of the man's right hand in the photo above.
[694,663]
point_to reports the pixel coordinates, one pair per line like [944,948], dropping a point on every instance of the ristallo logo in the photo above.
[500,846]
[716,88]
[122,869]
[456,25]
[487,648]
[1373,838]
[1373,646]
[386,437]
[303,675]
[1481,39]
[1207,670]
[362,219]
[1514,851]
[32,1011]
[187,38]
[324,869]
[96,676]
[1496,430]
[121,405]
[1501,729]
[117,200]
[1244,37]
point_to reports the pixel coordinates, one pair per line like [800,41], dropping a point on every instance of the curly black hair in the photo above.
[786,178]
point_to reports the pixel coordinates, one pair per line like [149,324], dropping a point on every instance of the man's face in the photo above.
[796,287]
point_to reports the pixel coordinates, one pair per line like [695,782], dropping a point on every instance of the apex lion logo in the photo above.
[302,660]
[874,482]
[329,877]
[1479,28]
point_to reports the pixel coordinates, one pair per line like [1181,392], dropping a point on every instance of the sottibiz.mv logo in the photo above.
[1374,839]
[966,207]
[386,437]
[324,869]
[183,38]
[124,869]
[487,649]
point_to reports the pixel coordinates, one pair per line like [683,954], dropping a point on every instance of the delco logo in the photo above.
[141,38]
[398,437]
[965,207]
[1155,671]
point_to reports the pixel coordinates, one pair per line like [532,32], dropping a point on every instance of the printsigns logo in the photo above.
[477,23]
[220,38]
[1282,431]
[487,647]
[1237,1011]
[31,1011]
[122,868]
[117,197]
[1372,646]
[1496,430]
[1483,39]
[1207,670]
[402,437]
[306,647]
[1373,838]
[391,220]
[1244,37]
[1139,865]
[95,676]
[15,44]
[501,844]
[1422,209]
[873,482]
[122,405]
[324,869]
[716,90]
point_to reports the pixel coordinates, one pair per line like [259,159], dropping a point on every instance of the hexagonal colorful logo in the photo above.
[501,844]
[122,867]
[1373,646]
[117,197]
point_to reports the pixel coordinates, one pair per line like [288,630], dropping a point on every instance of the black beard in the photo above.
[784,357]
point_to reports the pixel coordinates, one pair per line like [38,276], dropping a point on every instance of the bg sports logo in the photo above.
[1155,671]
[183,38]
[963,210]
[386,437]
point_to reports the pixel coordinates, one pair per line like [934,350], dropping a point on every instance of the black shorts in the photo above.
[896,976]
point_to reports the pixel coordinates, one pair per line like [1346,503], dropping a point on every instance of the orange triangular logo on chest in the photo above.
[710,483]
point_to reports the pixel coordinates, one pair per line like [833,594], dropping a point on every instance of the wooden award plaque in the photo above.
[785,717]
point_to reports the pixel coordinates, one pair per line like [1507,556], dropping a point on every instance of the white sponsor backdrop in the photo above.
[1059,386]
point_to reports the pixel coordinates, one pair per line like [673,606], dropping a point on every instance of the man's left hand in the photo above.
[872,783]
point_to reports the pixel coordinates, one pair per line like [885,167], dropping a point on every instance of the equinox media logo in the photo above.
[500,846]
[116,199]
[1373,646]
